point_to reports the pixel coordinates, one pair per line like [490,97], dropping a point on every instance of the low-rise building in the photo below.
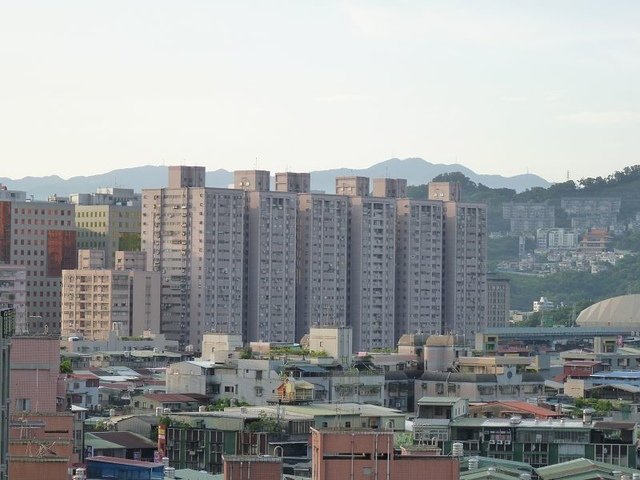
[581,468]
[255,381]
[434,416]
[541,443]
[363,454]
[115,343]
[82,390]
[483,379]
[507,409]
[172,402]
[136,358]
[252,467]
[100,467]
[120,444]
[198,440]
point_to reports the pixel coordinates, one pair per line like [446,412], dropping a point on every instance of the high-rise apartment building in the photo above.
[419,263]
[270,283]
[194,236]
[108,220]
[372,251]
[293,182]
[465,262]
[323,243]
[498,301]
[96,300]
[41,238]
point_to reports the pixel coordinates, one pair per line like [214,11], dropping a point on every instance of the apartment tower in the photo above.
[323,244]
[372,250]
[194,236]
[465,262]
[419,262]
[270,282]
[39,237]
[498,301]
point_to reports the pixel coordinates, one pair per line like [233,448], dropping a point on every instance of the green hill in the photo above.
[570,288]
[577,287]
[624,184]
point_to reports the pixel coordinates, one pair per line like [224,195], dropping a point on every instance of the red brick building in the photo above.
[251,467]
[40,435]
[370,455]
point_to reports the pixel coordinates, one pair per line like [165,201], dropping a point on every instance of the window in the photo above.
[23,404]
[258,391]
[229,389]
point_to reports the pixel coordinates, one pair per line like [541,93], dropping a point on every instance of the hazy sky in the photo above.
[499,86]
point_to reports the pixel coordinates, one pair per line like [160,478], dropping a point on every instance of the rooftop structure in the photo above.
[622,311]
[361,454]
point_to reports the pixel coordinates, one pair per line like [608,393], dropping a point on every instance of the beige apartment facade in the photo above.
[96,301]
[194,236]
[293,182]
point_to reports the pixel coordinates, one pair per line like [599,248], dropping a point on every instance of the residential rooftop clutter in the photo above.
[266,430]
[538,442]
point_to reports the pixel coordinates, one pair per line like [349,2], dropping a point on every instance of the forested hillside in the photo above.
[579,288]
[624,184]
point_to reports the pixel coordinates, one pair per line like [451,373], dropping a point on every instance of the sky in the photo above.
[550,87]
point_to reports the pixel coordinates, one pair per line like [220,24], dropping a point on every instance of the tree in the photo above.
[65,366]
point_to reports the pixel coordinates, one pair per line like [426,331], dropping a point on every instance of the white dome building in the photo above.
[623,311]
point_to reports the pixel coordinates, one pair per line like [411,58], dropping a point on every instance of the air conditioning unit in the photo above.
[492,442]
[507,442]
[499,442]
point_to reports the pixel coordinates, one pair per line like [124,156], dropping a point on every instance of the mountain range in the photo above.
[416,170]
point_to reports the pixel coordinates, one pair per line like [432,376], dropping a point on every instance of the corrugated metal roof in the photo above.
[125,439]
[581,469]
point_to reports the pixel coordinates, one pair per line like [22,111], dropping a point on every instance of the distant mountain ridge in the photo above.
[415,170]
